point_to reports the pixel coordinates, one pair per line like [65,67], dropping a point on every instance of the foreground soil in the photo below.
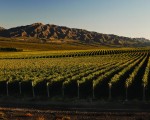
[31,109]
[36,114]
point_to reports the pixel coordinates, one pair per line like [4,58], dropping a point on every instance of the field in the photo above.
[104,74]
[91,77]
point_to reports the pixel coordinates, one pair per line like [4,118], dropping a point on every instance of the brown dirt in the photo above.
[36,114]
[33,109]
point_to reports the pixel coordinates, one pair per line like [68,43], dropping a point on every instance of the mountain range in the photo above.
[50,32]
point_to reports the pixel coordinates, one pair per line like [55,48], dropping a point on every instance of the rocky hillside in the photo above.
[1,28]
[52,32]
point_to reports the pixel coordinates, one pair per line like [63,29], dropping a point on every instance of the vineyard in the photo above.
[97,74]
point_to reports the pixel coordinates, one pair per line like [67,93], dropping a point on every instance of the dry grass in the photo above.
[40,118]
[36,46]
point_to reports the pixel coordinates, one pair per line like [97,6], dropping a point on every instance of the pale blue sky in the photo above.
[129,18]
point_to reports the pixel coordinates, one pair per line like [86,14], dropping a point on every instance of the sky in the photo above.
[130,18]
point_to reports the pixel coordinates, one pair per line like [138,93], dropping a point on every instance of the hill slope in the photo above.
[1,28]
[52,32]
